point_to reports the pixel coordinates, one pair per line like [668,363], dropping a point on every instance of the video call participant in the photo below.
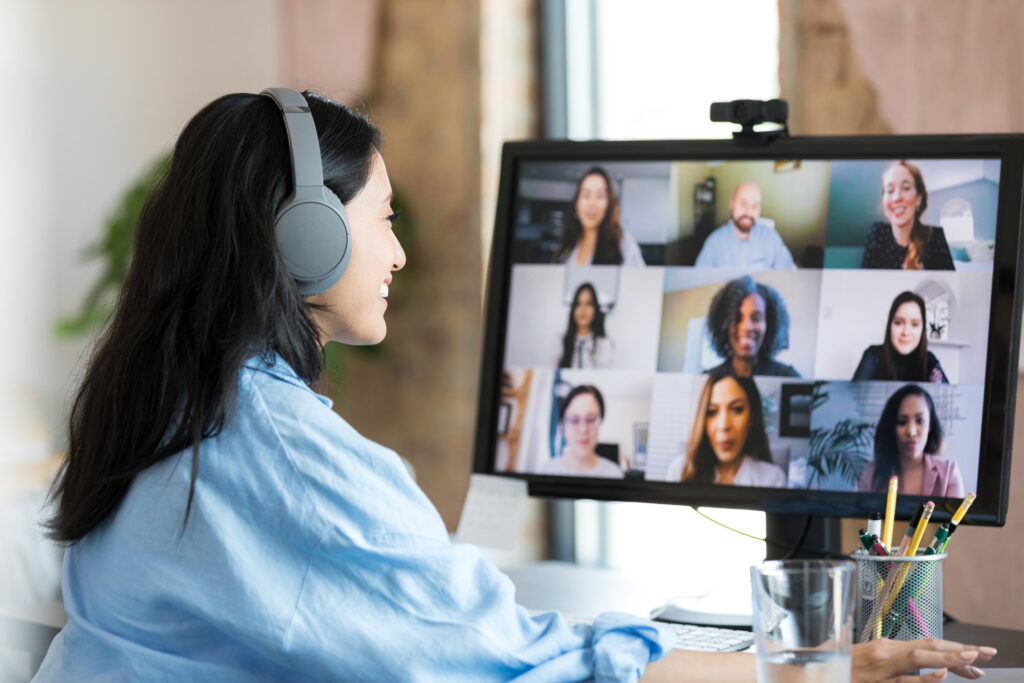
[904,354]
[728,444]
[592,233]
[584,344]
[908,440]
[748,323]
[580,415]
[746,240]
[220,516]
[902,241]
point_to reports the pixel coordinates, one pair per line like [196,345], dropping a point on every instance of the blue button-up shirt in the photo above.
[309,554]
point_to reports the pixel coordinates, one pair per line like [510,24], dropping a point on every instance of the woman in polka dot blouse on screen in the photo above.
[902,241]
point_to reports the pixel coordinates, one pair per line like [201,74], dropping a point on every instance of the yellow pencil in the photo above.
[964,507]
[915,542]
[890,513]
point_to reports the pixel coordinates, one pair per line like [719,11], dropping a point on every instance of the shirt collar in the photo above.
[276,366]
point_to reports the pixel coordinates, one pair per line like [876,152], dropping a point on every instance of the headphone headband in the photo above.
[302,141]
[311,226]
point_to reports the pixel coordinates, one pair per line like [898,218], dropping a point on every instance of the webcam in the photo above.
[750,113]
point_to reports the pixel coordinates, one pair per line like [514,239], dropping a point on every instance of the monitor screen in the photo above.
[779,327]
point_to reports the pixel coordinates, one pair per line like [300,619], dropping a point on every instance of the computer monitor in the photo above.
[776,327]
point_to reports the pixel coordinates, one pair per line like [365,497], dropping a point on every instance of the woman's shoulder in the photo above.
[763,473]
[869,362]
[631,252]
[872,353]
[775,368]
[936,235]
[675,468]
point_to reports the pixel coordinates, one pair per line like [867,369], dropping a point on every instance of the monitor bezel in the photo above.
[1001,363]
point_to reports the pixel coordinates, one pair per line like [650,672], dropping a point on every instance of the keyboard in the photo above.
[709,638]
[691,637]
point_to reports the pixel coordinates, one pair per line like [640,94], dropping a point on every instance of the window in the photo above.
[646,70]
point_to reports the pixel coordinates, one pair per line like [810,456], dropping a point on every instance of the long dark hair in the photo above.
[701,460]
[887,452]
[920,233]
[915,362]
[596,327]
[207,289]
[725,307]
[609,232]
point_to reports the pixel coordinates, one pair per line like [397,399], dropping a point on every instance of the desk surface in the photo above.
[586,591]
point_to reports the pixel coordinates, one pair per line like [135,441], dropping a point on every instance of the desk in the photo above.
[586,591]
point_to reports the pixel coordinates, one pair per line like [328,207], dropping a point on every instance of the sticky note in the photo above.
[493,511]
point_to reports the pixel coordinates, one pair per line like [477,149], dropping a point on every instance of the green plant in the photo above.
[843,449]
[114,250]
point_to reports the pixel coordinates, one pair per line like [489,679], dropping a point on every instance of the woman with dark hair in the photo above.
[903,355]
[580,416]
[902,241]
[222,522]
[584,344]
[592,233]
[728,444]
[908,440]
[748,323]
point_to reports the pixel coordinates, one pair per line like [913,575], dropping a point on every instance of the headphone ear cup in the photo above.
[315,240]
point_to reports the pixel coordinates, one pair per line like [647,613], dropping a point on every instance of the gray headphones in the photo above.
[311,226]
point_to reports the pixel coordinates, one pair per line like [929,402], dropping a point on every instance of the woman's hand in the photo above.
[891,660]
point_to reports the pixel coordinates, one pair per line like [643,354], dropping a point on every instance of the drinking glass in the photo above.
[803,620]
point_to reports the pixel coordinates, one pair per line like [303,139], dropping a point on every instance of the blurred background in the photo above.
[99,89]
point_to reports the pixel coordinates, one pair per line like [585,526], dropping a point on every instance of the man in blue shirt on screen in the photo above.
[747,239]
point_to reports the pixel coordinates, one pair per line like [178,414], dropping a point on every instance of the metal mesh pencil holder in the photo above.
[899,598]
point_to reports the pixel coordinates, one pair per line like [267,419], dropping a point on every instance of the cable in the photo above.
[732,529]
[791,551]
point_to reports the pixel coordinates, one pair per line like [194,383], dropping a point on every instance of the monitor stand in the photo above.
[730,606]
[782,534]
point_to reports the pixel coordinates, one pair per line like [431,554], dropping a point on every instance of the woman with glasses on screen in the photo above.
[908,440]
[903,355]
[592,233]
[748,323]
[225,524]
[728,444]
[584,344]
[580,417]
[902,241]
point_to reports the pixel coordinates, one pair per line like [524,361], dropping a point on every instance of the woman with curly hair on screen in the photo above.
[749,324]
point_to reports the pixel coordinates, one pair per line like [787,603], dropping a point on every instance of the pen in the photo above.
[890,512]
[877,546]
[865,539]
[918,619]
[875,523]
[941,534]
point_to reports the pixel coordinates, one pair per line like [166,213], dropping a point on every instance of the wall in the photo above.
[873,66]
[98,91]
[426,97]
